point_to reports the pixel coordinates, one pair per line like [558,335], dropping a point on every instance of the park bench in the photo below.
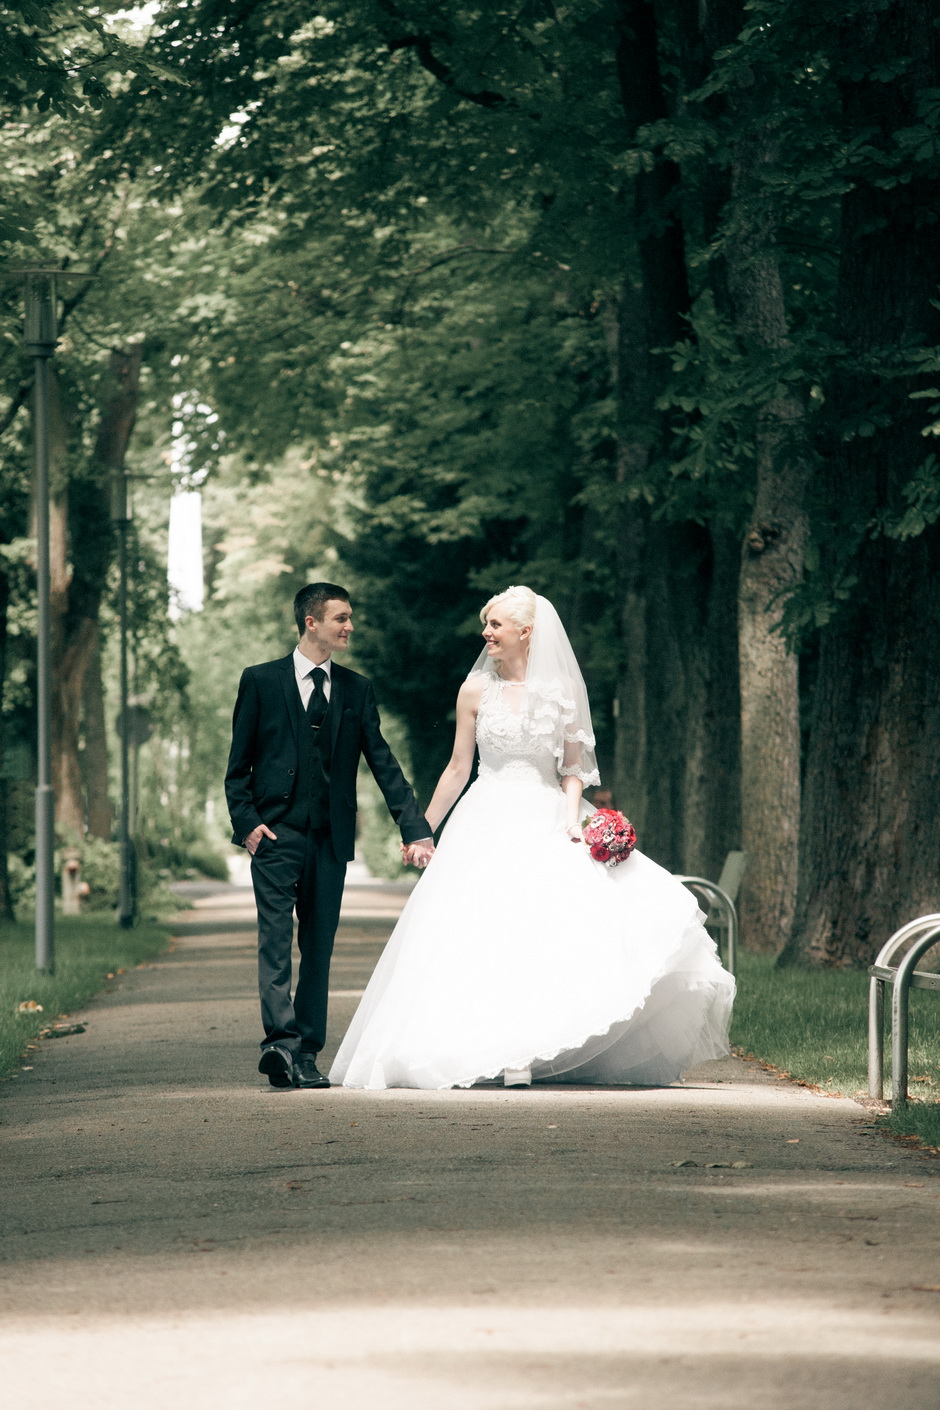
[720,901]
[903,976]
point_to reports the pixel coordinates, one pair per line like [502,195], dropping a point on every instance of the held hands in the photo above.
[253,838]
[417,854]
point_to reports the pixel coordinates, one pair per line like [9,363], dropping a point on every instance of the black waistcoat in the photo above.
[310,804]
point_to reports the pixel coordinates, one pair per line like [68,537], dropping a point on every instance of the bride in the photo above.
[517,955]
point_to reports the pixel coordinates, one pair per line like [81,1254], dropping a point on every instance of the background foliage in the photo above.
[630,300]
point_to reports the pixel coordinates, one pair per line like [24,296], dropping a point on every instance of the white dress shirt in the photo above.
[302,668]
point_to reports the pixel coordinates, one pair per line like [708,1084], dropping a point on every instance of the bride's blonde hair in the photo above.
[520,606]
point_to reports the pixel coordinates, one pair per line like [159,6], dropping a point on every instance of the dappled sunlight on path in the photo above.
[176,1231]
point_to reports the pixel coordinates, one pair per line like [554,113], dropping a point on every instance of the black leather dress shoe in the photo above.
[306,1072]
[278,1066]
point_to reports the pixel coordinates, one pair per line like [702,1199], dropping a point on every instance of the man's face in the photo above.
[333,632]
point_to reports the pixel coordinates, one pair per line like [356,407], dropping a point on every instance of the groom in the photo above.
[299,727]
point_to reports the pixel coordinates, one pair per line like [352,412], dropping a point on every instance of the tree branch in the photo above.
[421,44]
[458,250]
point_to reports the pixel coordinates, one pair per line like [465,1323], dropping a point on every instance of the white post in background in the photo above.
[184,554]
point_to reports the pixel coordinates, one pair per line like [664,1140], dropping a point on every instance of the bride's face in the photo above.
[504,640]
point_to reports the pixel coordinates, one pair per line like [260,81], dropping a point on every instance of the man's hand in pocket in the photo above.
[253,838]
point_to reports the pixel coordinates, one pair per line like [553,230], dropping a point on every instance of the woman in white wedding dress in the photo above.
[517,955]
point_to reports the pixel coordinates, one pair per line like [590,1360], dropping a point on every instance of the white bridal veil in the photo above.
[556,698]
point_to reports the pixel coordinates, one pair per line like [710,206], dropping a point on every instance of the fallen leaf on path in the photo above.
[64,1030]
[925,1287]
[914,1184]
[29,1006]
[680,1163]
[742,1165]
[793,1141]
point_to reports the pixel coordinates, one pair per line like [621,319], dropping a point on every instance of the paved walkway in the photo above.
[177,1234]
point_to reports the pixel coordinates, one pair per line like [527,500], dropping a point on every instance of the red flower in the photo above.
[609,835]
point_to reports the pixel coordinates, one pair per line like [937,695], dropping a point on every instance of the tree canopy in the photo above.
[630,300]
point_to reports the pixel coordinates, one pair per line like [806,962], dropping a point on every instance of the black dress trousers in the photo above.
[300,871]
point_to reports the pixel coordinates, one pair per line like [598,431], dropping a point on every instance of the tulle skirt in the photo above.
[516,949]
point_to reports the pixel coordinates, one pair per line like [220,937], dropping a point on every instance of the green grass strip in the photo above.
[88,950]
[813,1025]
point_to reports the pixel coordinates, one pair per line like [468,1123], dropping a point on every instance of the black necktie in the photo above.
[316,705]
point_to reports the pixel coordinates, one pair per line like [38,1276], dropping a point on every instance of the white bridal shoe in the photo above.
[517,1077]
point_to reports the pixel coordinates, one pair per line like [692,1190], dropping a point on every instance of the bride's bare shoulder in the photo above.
[471,692]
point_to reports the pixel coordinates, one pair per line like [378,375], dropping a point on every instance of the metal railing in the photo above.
[924,933]
[722,913]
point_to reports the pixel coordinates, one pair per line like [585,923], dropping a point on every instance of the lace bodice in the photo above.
[518,734]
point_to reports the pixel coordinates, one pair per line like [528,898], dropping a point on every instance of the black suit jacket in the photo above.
[264,758]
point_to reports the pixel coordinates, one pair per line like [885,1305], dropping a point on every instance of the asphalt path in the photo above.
[175,1233]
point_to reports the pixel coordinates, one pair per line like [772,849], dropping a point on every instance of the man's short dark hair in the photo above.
[311,602]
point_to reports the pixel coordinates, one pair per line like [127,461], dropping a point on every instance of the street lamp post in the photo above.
[127,892]
[41,336]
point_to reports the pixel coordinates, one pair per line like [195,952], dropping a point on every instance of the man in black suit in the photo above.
[299,727]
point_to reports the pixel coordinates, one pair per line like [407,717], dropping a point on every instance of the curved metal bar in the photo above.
[876,998]
[714,893]
[887,951]
[900,1012]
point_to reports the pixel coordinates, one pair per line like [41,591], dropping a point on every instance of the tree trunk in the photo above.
[100,813]
[710,786]
[671,707]
[649,315]
[677,770]
[772,560]
[869,845]
[6,898]
[629,784]
[706,603]
[87,537]
[66,773]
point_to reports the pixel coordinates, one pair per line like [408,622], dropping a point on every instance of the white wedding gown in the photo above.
[517,949]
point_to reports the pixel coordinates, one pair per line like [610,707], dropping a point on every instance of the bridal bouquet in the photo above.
[609,835]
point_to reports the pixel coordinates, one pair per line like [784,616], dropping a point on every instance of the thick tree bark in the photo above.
[87,539]
[869,844]
[671,707]
[677,757]
[677,765]
[66,774]
[772,563]
[692,751]
[710,785]
[630,785]
[649,313]
[6,898]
